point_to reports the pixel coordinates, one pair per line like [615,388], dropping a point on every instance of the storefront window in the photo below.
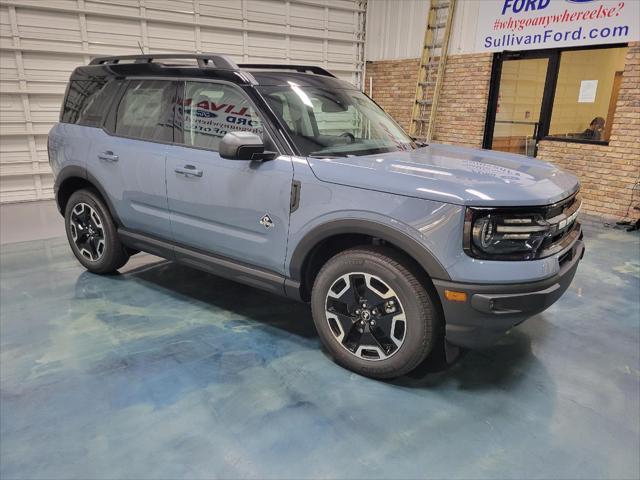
[586,94]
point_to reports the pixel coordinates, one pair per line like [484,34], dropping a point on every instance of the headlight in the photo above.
[520,233]
[503,236]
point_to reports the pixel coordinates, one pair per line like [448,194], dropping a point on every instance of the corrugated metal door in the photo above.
[395,29]
[42,41]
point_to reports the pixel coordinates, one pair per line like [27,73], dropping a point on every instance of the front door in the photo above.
[518,98]
[236,209]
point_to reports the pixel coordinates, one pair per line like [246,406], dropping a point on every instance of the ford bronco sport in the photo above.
[291,180]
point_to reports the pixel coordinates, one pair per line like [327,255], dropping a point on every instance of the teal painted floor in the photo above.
[166,372]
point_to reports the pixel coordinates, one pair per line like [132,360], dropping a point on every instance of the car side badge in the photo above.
[266,221]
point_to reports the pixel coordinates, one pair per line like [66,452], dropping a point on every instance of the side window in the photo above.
[146,110]
[97,106]
[210,110]
[79,95]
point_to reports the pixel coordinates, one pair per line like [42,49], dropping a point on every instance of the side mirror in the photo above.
[244,146]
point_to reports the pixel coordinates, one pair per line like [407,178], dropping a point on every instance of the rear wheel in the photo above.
[92,234]
[372,313]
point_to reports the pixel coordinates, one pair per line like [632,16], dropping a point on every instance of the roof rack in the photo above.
[211,60]
[296,68]
[204,60]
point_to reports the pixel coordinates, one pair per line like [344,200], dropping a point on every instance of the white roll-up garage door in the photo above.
[42,41]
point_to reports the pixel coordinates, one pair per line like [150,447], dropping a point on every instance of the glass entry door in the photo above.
[515,123]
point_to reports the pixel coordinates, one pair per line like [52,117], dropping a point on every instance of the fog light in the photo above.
[454,296]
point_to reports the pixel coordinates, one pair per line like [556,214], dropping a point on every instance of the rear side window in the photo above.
[79,95]
[97,106]
[146,111]
[88,101]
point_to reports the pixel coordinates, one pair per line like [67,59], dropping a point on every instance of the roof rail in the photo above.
[204,60]
[295,68]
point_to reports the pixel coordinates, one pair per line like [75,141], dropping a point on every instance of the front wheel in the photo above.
[372,313]
[92,233]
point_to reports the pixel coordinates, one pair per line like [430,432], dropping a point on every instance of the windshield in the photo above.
[335,123]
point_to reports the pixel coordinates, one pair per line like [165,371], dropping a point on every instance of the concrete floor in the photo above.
[166,372]
[20,222]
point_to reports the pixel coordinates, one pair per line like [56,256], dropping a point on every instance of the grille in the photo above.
[562,216]
[558,208]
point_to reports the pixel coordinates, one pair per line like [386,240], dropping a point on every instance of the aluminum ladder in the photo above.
[432,66]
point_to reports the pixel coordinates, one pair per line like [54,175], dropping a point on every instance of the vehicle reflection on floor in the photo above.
[164,371]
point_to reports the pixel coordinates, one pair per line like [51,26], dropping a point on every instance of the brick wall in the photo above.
[609,174]
[394,86]
[463,99]
[462,107]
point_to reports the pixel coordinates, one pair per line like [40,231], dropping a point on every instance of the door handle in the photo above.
[188,171]
[108,156]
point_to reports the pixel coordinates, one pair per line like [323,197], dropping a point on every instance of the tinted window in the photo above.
[97,106]
[210,110]
[80,94]
[146,111]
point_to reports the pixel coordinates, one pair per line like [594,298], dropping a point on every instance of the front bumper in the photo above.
[491,310]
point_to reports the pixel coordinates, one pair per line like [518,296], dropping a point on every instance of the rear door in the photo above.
[129,161]
[238,209]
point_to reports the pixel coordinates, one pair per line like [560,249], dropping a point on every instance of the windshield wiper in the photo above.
[419,143]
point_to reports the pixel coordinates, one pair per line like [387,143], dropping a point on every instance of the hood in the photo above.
[450,174]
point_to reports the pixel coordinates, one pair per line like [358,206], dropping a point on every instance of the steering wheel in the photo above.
[349,136]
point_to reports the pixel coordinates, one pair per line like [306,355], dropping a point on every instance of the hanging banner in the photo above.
[537,24]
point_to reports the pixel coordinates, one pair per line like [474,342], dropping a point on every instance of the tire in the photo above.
[403,332]
[92,233]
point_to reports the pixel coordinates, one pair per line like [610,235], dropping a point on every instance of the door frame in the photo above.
[547,96]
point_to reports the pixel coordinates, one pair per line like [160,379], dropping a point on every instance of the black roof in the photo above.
[209,66]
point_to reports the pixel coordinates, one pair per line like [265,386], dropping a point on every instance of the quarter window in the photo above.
[210,110]
[146,111]
[80,94]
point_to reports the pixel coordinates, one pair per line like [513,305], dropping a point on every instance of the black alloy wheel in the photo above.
[366,316]
[92,233]
[87,231]
[373,312]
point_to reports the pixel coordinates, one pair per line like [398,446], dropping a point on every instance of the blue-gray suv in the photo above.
[288,179]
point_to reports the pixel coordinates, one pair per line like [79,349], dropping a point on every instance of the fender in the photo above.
[67,172]
[412,247]
[76,171]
